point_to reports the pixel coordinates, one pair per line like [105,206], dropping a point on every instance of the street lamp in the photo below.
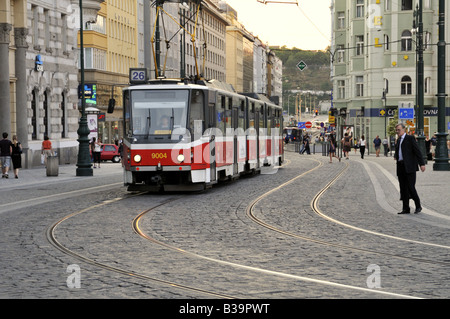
[420,101]
[441,159]
[84,166]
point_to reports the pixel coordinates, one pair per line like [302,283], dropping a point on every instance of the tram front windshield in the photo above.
[159,112]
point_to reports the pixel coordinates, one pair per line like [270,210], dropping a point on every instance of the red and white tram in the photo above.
[180,136]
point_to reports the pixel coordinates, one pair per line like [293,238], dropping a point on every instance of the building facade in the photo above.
[110,50]
[374,63]
[38,87]
[13,73]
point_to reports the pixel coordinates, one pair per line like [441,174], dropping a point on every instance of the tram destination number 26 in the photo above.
[138,76]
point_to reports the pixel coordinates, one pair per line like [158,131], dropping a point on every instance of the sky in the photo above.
[306,26]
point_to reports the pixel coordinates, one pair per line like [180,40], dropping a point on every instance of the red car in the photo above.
[110,152]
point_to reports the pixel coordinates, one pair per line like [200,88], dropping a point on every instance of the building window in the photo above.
[341,20]
[406,85]
[427,85]
[46,113]
[427,40]
[407,5]
[359,45]
[94,59]
[99,26]
[360,8]
[340,58]
[341,89]
[387,5]
[34,109]
[386,42]
[359,86]
[406,41]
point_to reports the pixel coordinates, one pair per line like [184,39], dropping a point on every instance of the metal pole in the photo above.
[420,85]
[159,3]
[441,159]
[84,167]
[183,45]
[147,36]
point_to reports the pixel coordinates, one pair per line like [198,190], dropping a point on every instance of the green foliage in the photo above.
[391,125]
[315,77]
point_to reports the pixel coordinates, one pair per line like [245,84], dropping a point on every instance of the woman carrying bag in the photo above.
[16,156]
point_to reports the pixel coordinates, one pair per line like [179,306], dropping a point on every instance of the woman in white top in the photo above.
[97,149]
[362,146]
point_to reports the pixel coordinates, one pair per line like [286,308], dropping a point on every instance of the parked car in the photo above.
[110,152]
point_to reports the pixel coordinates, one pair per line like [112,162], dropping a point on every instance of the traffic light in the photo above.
[111,105]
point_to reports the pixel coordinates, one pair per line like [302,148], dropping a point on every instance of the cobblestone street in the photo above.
[205,245]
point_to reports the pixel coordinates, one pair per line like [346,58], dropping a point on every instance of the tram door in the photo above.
[212,136]
[235,118]
[258,120]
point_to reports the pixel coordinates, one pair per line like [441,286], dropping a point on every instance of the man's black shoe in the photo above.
[418,210]
[404,212]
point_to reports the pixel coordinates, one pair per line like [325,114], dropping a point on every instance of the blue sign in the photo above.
[38,65]
[301,124]
[406,113]
[448,126]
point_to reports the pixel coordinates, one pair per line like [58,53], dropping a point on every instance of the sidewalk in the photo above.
[432,186]
[36,176]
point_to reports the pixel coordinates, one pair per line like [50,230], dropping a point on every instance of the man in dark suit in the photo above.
[408,157]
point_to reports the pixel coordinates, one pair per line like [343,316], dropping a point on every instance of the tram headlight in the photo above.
[137,158]
[180,158]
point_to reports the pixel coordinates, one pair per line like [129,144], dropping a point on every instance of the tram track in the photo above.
[249,212]
[51,237]
[316,209]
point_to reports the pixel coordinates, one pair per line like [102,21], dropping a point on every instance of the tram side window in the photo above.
[269,120]
[277,122]
[251,118]
[221,116]
[261,121]
[197,116]
[228,116]
[126,111]
[241,116]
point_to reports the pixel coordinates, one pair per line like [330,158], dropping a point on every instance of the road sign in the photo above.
[406,113]
[302,65]
[308,124]
[138,76]
[301,125]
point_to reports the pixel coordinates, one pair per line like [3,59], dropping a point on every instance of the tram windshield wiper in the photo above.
[149,122]
[172,121]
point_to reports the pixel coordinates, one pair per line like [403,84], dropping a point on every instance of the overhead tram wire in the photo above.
[160,10]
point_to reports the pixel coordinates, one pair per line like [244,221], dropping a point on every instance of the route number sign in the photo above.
[138,76]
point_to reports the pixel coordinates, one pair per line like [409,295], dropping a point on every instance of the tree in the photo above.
[392,123]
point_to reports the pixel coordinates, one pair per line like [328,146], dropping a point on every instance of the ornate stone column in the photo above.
[5,101]
[20,39]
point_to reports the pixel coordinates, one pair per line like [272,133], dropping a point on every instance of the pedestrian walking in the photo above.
[16,156]
[306,146]
[408,157]
[332,150]
[362,146]
[385,143]
[96,150]
[347,141]
[5,155]
[377,145]
[46,149]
